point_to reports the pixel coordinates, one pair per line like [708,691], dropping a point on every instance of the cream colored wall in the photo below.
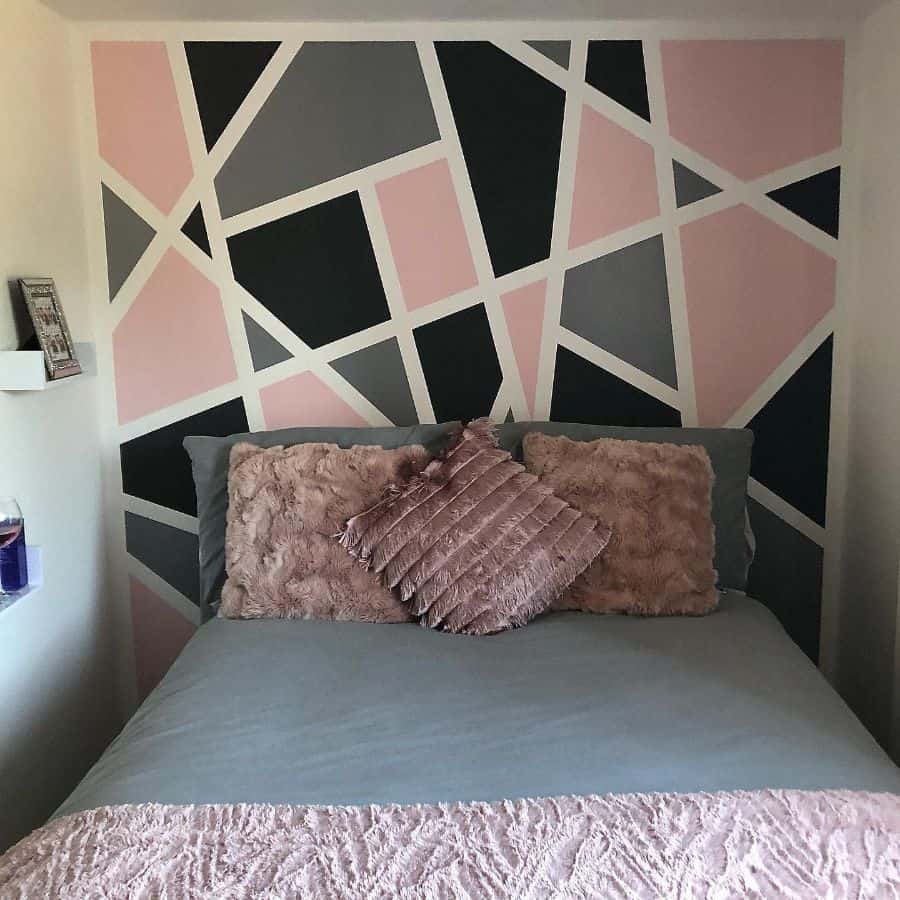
[57,681]
[871,553]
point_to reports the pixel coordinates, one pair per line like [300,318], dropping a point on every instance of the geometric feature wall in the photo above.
[635,232]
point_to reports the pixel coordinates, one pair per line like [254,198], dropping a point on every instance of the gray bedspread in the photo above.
[347,713]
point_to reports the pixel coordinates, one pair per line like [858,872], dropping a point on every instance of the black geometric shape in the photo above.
[583,392]
[195,228]
[223,73]
[171,553]
[689,186]
[509,121]
[509,417]
[816,199]
[155,466]
[790,453]
[786,576]
[616,68]
[315,270]
[460,364]
[558,51]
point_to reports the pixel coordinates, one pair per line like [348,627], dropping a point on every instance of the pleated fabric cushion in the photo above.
[658,499]
[475,544]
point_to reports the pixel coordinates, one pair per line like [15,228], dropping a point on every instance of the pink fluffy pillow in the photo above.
[285,505]
[474,543]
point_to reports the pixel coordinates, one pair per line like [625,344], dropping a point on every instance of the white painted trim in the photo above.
[796,519]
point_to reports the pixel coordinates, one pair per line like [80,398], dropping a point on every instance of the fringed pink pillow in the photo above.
[475,544]
[658,499]
[285,505]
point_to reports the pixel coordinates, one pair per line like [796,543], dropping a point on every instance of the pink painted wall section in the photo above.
[524,312]
[305,400]
[754,291]
[172,343]
[139,125]
[160,633]
[615,180]
[426,233]
[753,107]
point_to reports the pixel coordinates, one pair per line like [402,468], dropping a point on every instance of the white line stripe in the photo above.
[762,495]
[159,513]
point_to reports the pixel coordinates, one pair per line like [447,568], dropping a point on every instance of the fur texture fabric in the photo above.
[285,506]
[475,543]
[658,499]
[747,844]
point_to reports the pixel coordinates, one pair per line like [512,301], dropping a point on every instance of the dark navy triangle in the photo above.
[222,73]
[617,69]
[790,452]
[195,228]
[689,186]
[816,199]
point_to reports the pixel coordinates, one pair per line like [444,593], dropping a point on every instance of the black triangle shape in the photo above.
[223,73]
[583,392]
[689,186]
[790,451]
[195,228]
[617,69]
[816,199]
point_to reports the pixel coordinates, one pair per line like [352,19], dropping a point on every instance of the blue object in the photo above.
[14,565]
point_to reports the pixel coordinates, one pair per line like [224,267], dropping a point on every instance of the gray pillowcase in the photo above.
[729,452]
[209,464]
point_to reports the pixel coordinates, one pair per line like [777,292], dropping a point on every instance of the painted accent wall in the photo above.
[635,231]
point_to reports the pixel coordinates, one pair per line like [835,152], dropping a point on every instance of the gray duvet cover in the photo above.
[347,713]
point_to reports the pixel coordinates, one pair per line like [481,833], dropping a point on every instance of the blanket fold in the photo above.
[732,844]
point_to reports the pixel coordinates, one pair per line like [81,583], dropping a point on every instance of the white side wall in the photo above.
[57,686]
[869,591]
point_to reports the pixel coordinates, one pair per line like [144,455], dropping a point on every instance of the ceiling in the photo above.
[457,10]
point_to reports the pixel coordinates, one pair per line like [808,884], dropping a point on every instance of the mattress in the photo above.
[351,713]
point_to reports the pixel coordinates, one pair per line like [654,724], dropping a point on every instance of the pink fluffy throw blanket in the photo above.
[785,844]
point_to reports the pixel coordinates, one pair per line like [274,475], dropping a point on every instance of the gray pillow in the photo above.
[209,464]
[729,452]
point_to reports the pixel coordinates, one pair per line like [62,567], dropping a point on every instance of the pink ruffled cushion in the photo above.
[475,544]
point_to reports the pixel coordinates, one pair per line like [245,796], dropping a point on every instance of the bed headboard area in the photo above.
[408,227]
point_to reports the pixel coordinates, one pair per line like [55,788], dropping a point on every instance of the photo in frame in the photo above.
[50,327]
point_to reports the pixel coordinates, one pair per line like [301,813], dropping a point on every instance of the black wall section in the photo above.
[222,73]
[786,575]
[156,467]
[583,392]
[460,364]
[816,199]
[195,228]
[790,453]
[315,270]
[509,121]
[617,69]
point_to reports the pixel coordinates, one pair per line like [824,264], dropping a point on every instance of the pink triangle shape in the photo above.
[524,312]
[615,180]
[159,633]
[305,400]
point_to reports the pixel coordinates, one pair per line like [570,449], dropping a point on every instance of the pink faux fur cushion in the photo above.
[285,505]
[657,498]
[475,543]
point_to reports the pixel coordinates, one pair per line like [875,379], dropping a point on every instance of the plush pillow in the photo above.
[657,498]
[285,506]
[729,452]
[475,543]
[209,466]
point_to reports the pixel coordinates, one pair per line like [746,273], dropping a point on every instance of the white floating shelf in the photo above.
[35,578]
[23,370]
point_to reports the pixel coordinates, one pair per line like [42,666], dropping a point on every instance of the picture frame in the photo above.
[50,327]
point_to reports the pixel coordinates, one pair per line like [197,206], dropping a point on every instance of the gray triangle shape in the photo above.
[127,237]
[265,351]
[689,186]
[377,372]
[171,553]
[509,417]
[558,51]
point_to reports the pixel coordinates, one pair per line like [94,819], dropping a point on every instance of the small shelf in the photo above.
[35,579]
[23,370]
